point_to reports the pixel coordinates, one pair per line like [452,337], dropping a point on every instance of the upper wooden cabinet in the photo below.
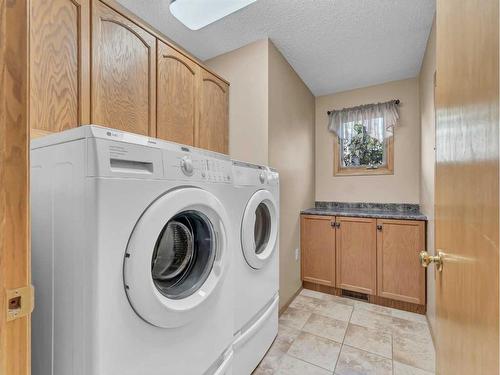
[357,254]
[59,65]
[123,73]
[213,129]
[317,242]
[400,275]
[176,96]
[109,77]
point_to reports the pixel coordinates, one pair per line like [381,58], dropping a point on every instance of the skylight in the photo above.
[196,14]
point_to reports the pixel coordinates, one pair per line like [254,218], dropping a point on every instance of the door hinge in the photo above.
[20,302]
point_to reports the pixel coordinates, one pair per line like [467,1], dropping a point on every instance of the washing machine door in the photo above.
[259,229]
[177,257]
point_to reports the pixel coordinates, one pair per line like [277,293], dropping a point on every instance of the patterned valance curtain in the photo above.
[378,119]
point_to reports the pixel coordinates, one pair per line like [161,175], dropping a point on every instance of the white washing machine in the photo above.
[255,264]
[131,256]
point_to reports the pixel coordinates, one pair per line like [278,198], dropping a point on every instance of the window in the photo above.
[364,141]
[361,152]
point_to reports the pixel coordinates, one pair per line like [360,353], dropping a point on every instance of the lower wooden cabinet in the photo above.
[377,257]
[356,254]
[318,249]
[399,273]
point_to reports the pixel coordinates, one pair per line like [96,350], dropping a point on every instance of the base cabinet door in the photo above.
[213,129]
[317,241]
[356,247]
[176,96]
[123,73]
[400,276]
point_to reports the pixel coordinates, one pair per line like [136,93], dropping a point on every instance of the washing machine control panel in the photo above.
[198,166]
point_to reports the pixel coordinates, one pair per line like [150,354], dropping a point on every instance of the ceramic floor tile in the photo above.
[409,316]
[370,340]
[286,336]
[262,371]
[294,318]
[316,350]
[334,310]
[272,359]
[338,299]
[305,303]
[293,366]
[313,294]
[326,327]
[414,350]
[369,319]
[408,328]
[373,308]
[353,361]
[402,369]
[391,312]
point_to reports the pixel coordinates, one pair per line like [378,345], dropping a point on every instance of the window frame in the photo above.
[387,169]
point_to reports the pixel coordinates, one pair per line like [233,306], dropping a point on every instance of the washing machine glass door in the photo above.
[176,257]
[259,229]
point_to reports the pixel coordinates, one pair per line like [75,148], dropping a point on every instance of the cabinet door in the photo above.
[59,65]
[317,242]
[176,96]
[357,254]
[400,275]
[213,130]
[123,73]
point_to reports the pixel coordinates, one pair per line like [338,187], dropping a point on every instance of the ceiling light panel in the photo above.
[196,14]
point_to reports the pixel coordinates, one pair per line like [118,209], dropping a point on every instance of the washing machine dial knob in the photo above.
[187,166]
[262,177]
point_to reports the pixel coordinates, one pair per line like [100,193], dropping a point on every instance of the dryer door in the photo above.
[259,229]
[176,258]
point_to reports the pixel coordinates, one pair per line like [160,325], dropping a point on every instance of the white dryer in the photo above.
[130,255]
[256,263]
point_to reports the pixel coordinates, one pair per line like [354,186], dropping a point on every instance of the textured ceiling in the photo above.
[334,45]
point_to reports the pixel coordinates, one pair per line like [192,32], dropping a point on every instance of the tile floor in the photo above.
[320,334]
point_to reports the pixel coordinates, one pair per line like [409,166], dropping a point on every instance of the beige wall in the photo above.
[428,138]
[291,151]
[247,70]
[271,122]
[403,186]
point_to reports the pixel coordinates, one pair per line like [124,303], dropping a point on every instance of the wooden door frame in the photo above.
[14,181]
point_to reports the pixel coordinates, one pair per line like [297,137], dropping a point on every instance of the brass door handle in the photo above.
[426,259]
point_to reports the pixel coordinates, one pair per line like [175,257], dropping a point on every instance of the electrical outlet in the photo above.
[296,254]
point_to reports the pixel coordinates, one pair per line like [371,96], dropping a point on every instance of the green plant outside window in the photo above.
[362,150]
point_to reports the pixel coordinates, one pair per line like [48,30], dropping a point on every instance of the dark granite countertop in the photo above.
[371,210]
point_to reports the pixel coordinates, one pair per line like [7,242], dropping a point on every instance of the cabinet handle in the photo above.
[337,225]
[333,224]
[379,228]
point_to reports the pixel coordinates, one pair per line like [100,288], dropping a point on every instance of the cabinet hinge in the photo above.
[20,302]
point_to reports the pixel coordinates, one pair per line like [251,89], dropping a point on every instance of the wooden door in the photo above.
[317,243]
[357,254]
[213,131]
[59,65]
[14,186]
[399,274]
[123,73]
[467,186]
[176,96]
